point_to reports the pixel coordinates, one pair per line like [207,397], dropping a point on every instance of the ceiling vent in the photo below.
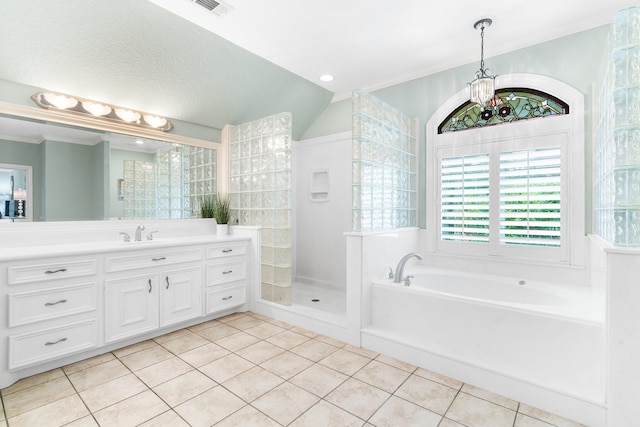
[218,7]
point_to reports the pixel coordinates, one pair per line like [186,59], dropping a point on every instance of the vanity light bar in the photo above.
[76,105]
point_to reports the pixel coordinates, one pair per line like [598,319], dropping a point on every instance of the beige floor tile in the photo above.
[245,322]
[324,414]
[132,411]
[88,363]
[209,407]
[471,410]
[448,423]
[361,351]
[264,330]
[31,398]
[330,341]
[226,367]
[260,352]
[111,392]
[319,380]
[526,421]
[396,363]
[231,317]
[382,376]
[248,417]
[32,381]
[252,384]
[184,387]
[259,316]
[217,331]
[163,371]
[285,403]
[1,410]
[314,350]
[358,398]
[237,341]
[547,416]
[134,348]
[491,397]
[344,361]
[3,423]
[185,343]
[287,364]
[411,415]
[202,355]
[172,336]
[98,374]
[288,339]
[204,325]
[305,332]
[146,357]
[428,394]
[87,421]
[280,323]
[442,379]
[57,413]
[166,419]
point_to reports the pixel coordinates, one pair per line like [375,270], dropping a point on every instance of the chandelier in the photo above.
[482,89]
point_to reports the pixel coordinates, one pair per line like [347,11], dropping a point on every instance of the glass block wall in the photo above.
[384,180]
[260,188]
[171,186]
[617,152]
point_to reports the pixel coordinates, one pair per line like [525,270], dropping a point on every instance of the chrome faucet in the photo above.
[397,278]
[139,233]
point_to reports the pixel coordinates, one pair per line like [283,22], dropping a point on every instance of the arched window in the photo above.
[514,190]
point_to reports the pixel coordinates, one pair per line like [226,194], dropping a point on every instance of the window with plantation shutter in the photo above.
[465,198]
[530,196]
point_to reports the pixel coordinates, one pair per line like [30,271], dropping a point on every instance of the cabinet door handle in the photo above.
[167,277]
[158,259]
[55,342]
[150,287]
[60,270]
[54,303]
[227,272]
[226,251]
[226,298]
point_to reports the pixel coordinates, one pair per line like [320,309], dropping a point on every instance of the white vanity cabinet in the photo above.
[225,278]
[51,308]
[145,291]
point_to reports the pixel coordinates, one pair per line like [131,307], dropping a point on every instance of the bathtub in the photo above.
[510,335]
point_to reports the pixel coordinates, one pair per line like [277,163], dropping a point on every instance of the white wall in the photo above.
[320,226]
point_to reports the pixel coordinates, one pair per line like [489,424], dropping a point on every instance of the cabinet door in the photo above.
[180,295]
[131,306]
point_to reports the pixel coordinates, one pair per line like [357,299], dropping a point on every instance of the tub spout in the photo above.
[397,278]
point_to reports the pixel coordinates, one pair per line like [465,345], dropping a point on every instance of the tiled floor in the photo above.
[248,370]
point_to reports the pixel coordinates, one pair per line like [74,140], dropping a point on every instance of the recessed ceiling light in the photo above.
[326,77]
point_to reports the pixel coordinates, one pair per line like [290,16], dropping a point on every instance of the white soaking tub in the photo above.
[499,333]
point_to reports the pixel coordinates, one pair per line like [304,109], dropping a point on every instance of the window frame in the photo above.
[516,136]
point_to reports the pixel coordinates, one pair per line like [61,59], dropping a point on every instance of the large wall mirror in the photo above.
[59,172]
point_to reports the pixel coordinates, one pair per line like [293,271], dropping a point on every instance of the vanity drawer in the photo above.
[221,251]
[151,259]
[225,273]
[222,299]
[44,304]
[40,346]
[28,273]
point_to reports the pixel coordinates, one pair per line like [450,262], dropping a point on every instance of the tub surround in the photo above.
[70,295]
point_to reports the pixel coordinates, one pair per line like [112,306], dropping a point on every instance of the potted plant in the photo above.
[207,206]
[221,212]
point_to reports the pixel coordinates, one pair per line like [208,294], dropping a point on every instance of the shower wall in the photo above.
[323,209]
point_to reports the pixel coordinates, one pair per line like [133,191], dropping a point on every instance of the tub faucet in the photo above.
[397,278]
[139,233]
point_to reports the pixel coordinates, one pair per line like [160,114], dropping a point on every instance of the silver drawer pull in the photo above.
[54,303]
[55,342]
[60,270]
[226,298]
[150,287]
[167,277]
[227,272]
[158,259]
[226,251]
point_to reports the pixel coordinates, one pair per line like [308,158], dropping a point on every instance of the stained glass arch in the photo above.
[509,105]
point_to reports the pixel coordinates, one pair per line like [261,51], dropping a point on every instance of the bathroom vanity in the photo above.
[72,300]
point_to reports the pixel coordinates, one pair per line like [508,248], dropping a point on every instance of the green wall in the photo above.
[22,153]
[574,59]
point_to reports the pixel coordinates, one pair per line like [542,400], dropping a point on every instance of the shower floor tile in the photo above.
[300,379]
[319,298]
